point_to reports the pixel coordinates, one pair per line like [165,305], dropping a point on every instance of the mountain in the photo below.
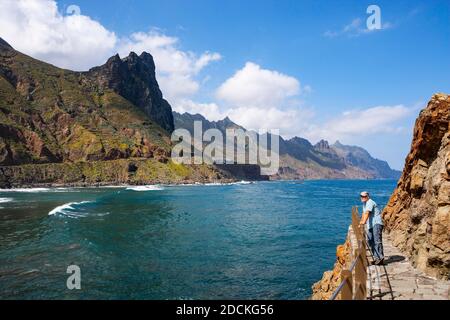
[186,121]
[418,213]
[299,159]
[107,125]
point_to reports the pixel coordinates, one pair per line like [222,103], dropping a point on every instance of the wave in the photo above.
[228,183]
[4,200]
[69,209]
[207,184]
[26,190]
[145,188]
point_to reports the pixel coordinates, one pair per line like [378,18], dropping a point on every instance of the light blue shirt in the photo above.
[374,213]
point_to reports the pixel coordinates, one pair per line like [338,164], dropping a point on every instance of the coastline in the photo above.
[114,172]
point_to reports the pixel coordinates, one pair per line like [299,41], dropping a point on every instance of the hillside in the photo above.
[299,159]
[60,126]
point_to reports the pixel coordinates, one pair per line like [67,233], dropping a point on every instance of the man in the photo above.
[371,217]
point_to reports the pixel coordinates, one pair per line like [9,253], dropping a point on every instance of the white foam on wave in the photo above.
[4,200]
[228,183]
[145,188]
[26,190]
[68,209]
[209,184]
[244,182]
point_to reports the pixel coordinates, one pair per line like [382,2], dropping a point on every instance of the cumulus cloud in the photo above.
[37,28]
[360,123]
[257,98]
[253,86]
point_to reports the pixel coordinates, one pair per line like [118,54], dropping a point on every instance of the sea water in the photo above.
[264,240]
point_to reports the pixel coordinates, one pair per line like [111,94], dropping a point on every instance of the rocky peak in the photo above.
[418,213]
[322,145]
[134,79]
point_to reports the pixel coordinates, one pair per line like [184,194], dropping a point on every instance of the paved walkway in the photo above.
[399,280]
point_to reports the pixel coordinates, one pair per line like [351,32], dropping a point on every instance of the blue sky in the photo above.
[320,73]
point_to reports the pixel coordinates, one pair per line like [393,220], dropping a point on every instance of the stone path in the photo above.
[399,280]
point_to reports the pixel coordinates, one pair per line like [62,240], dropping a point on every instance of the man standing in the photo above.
[371,217]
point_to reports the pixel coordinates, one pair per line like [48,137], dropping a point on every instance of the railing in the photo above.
[353,284]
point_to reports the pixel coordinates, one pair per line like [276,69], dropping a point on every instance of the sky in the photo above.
[309,68]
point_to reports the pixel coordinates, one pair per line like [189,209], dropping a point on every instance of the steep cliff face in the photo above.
[418,213]
[134,79]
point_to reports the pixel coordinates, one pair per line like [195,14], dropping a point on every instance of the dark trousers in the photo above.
[375,241]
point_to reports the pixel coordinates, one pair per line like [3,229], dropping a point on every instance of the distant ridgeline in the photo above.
[299,159]
[107,125]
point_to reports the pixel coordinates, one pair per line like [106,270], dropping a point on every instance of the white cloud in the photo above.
[35,27]
[258,98]
[210,111]
[360,123]
[253,86]
[355,28]
[290,122]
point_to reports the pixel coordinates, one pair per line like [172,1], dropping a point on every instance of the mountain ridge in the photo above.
[299,159]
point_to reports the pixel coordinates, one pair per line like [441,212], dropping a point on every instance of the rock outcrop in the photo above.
[134,79]
[418,213]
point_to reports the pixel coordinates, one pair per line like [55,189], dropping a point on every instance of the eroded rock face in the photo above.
[418,213]
[134,79]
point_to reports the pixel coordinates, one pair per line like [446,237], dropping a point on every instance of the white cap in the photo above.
[364,194]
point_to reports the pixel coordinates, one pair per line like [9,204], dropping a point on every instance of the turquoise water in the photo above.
[265,240]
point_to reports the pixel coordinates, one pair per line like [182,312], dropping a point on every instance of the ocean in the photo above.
[262,240]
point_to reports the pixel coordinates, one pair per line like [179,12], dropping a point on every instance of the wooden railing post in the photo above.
[353,284]
[347,289]
[355,224]
[360,275]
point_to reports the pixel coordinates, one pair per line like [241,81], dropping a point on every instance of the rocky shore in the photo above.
[114,172]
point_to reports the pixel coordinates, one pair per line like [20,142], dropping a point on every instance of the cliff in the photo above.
[418,213]
[134,79]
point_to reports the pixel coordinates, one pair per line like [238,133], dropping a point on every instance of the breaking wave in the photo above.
[71,209]
[145,188]
[4,200]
